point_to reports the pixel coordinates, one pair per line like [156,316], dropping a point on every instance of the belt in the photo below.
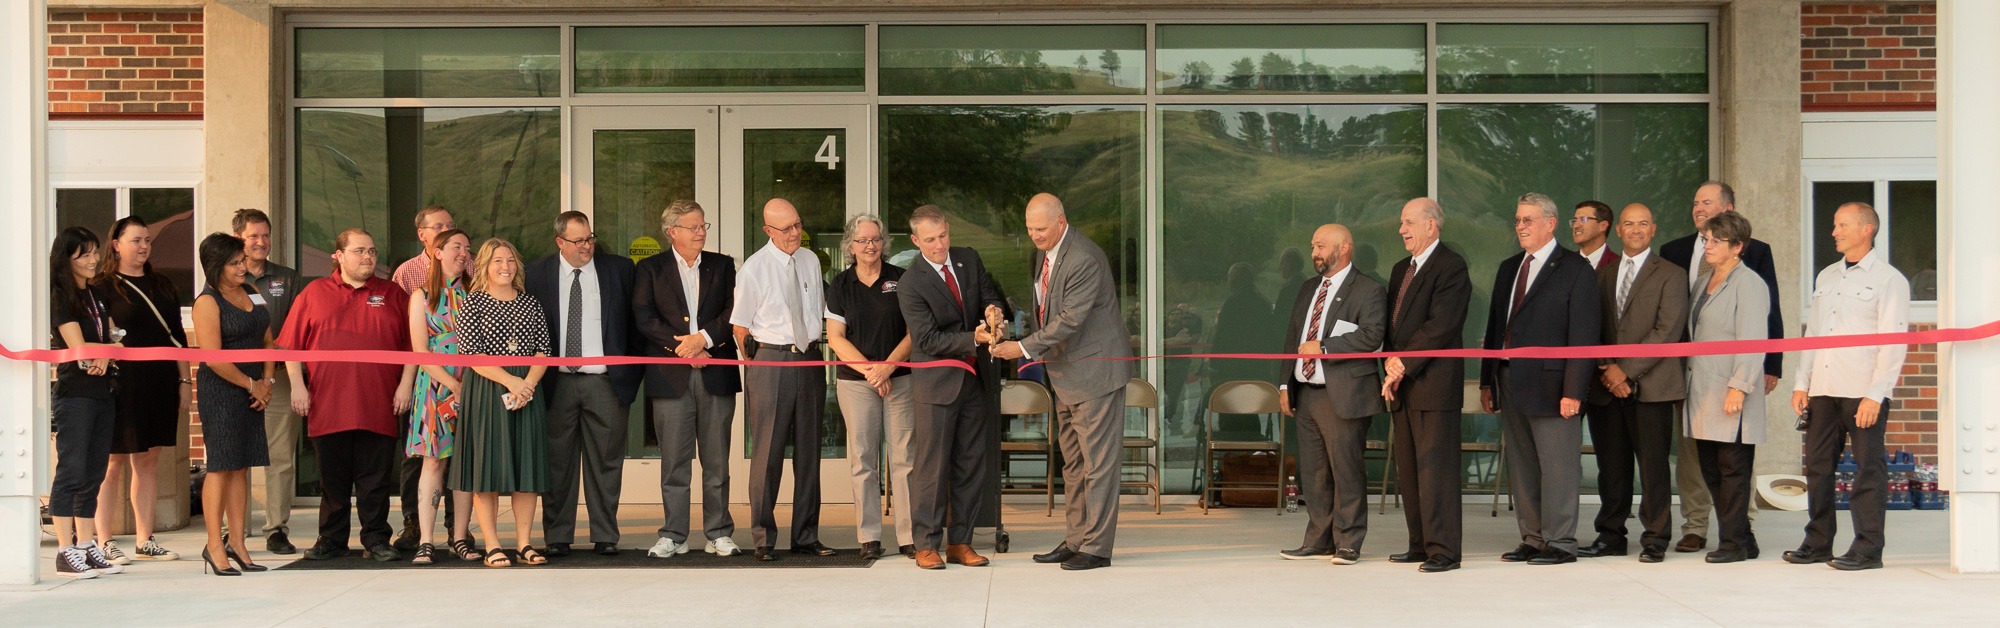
[809,346]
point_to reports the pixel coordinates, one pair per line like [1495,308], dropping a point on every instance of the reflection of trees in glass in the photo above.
[1276,73]
[1574,69]
[997,71]
[1196,75]
[498,173]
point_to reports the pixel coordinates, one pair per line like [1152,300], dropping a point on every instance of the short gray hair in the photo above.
[1432,210]
[1728,193]
[672,214]
[1540,201]
[847,236]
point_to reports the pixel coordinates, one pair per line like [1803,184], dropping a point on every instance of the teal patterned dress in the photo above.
[433,418]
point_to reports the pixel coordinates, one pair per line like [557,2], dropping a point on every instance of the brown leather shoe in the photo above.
[963,555]
[1691,543]
[929,559]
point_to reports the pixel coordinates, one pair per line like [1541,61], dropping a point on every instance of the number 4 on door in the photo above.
[828,154]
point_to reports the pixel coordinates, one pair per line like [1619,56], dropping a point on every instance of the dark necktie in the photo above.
[573,334]
[1520,292]
[1312,328]
[1403,293]
[951,284]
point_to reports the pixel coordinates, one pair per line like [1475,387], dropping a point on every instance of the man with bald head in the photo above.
[779,299]
[1337,311]
[1632,399]
[1075,318]
[1428,294]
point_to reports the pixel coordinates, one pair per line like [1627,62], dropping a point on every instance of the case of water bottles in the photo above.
[1843,480]
[1925,490]
[1910,486]
[1902,468]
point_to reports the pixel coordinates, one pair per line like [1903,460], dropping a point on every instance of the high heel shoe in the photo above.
[208,565]
[230,552]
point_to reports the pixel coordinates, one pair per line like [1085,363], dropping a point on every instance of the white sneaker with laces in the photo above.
[724,546]
[151,550]
[666,548]
[114,555]
[95,556]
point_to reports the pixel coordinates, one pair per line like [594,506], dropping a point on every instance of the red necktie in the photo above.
[1042,309]
[1312,328]
[952,284]
[1520,292]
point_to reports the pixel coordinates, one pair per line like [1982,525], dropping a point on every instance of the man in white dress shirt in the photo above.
[1841,392]
[777,287]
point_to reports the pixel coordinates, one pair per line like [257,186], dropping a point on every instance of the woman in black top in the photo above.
[83,404]
[502,443]
[231,315]
[146,305]
[865,323]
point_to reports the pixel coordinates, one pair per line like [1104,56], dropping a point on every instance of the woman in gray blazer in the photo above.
[1725,406]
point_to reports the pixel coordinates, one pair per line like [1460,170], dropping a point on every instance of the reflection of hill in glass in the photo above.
[498,173]
[343,178]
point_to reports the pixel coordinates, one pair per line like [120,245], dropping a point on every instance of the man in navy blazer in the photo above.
[1544,297]
[585,297]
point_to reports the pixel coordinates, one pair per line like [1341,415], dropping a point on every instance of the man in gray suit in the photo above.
[1339,311]
[1076,317]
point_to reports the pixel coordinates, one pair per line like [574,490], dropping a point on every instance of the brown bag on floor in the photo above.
[1247,467]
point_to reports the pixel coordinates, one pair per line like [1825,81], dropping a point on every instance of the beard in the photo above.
[1322,265]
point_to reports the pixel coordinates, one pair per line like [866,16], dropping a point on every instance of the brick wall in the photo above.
[1873,57]
[105,63]
[1913,410]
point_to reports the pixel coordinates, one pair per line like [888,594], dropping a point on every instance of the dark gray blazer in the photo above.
[1355,385]
[1655,313]
[940,329]
[614,293]
[1083,321]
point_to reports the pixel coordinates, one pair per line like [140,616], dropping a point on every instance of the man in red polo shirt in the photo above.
[351,408]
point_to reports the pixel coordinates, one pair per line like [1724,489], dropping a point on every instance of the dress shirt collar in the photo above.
[940,268]
[1425,257]
[1868,262]
[1542,254]
[589,265]
[1639,259]
[1339,277]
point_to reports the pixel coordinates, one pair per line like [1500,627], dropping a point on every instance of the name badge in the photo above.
[257,298]
[513,346]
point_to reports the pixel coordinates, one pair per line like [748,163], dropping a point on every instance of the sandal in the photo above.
[423,554]
[498,558]
[465,551]
[531,557]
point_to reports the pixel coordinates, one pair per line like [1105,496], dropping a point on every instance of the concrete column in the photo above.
[1968,155]
[24,430]
[242,117]
[1761,137]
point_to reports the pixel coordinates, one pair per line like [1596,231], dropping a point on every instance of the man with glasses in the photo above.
[1589,225]
[780,298]
[680,303]
[586,297]
[411,275]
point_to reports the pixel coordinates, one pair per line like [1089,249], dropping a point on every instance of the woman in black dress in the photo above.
[83,404]
[152,395]
[502,443]
[230,315]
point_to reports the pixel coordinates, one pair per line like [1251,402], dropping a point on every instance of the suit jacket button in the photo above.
[684,319]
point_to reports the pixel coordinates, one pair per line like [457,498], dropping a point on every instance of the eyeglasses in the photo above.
[794,228]
[581,241]
[1583,220]
[702,228]
[868,241]
[1523,222]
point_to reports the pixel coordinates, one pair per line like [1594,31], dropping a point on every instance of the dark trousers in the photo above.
[1427,474]
[83,448]
[587,425]
[1726,469]
[948,467]
[1544,469]
[1829,424]
[354,465]
[783,406]
[1333,476]
[1627,431]
[409,470]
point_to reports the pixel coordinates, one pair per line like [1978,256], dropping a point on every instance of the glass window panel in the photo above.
[1290,58]
[1242,189]
[170,213]
[428,62]
[93,209]
[342,180]
[1065,59]
[1572,58]
[1913,235]
[1489,155]
[720,58]
[1828,196]
[634,175]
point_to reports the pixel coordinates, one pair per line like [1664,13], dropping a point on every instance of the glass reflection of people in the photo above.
[1244,326]
[1181,335]
[230,314]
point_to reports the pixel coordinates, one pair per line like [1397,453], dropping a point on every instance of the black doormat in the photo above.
[626,559]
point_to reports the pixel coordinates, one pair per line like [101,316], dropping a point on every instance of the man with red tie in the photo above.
[1590,226]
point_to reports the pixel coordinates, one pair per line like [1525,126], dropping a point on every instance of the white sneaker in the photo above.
[666,548]
[724,546]
[151,550]
[112,553]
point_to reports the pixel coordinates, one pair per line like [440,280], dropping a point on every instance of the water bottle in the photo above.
[1291,493]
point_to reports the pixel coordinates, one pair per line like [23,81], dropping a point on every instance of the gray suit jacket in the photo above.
[1736,311]
[1082,321]
[1655,313]
[1355,385]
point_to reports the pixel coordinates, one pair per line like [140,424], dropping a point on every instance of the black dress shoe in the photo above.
[871,550]
[814,548]
[605,549]
[1806,556]
[1436,564]
[279,543]
[1600,548]
[555,550]
[1061,554]
[1552,556]
[1303,553]
[1727,556]
[323,550]
[908,551]
[1409,557]
[1691,543]
[764,553]
[1082,561]
[1521,554]
[1852,562]
[1652,554]
[382,553]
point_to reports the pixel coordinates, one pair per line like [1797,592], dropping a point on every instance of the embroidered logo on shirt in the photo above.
[375,301]
[277,288]
[888,287]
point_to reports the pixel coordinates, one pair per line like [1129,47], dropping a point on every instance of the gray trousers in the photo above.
[1544,468]
[783,406]
[697,422]
[870,417]
[1696,503]
[1092,438]
[281,478]
[587,425]
[1332,473]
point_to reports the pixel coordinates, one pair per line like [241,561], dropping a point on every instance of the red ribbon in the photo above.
[399,358]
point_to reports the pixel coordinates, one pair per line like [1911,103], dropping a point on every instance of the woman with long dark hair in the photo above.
[433,430]
[230,314]
[83,395]
[146,304]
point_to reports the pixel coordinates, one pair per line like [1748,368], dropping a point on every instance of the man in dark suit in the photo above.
[1544,297]
[586,299]
[1712,198]
[1632,399]
[946,298]
[1076,317]
[1428,296]
[1590,226]
[681,302]
[1338,311]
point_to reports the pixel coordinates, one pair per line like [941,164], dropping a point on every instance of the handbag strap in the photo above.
[156,312]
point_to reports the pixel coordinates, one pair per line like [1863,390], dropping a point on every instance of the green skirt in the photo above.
[500,451]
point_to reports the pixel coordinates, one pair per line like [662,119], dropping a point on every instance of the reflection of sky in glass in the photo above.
[1382,60]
